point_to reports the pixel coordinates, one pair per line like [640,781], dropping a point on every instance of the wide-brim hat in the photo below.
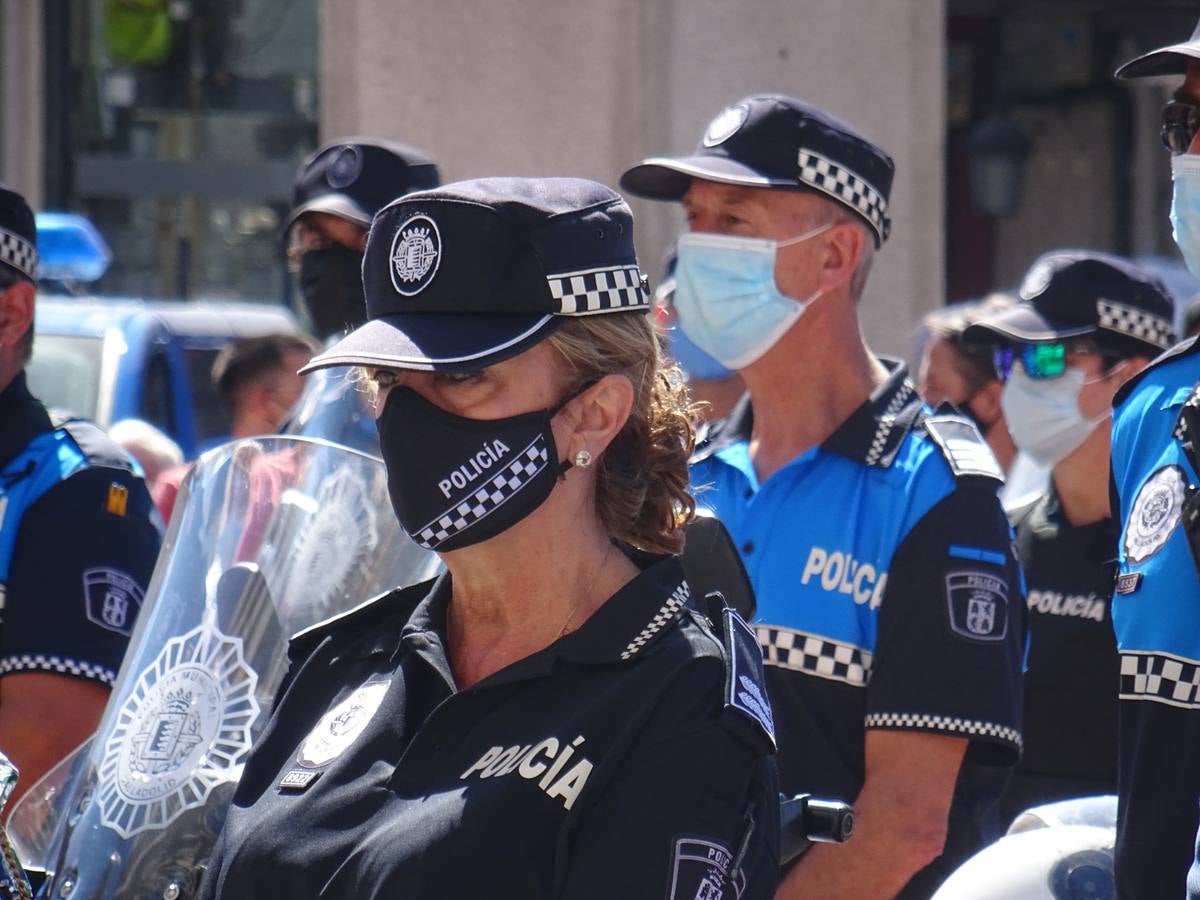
[470,274]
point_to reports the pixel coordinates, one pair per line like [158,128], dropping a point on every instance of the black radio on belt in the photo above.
[1187,432]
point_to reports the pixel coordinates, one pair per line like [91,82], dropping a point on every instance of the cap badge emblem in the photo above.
[416,254]
[1037,280]
[726,124]
[345,167]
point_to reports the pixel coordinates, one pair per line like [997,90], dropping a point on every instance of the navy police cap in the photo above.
[18,234]
[356,177]
[1172,59]
[775,141]
[464,276]
[1076,293]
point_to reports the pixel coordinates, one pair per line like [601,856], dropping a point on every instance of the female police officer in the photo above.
[551,717]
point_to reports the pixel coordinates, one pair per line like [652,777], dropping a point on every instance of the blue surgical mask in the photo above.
[726,296]
[1043,414]
[1185,208]
[696,364]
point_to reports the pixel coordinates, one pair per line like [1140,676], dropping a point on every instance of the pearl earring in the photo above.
[583,459]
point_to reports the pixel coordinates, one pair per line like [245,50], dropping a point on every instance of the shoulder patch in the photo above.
[745,684]
[963,447]
[112,599]
[700,870]
[99,449]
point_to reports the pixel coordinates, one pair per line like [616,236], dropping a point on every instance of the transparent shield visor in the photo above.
[270,536]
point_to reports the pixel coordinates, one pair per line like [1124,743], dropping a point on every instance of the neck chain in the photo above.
[591,589]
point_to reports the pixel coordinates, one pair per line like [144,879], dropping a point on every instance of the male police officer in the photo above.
[889,600]
[1088,323]
[78,541]
[337,192]
[1156,606]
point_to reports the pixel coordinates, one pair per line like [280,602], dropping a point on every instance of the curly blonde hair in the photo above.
[642,491]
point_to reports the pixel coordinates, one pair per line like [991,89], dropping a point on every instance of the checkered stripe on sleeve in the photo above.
[1161,678]
[952,724]
[36,662]
[18,253]
[488,498]
[814,655]
[600,290]
[1135,323]
[665,615]
[846,187]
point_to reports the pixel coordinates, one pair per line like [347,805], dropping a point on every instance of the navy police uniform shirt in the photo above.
[79,536]
[1156,613]
[1071,678]
[888,594]
[631,758]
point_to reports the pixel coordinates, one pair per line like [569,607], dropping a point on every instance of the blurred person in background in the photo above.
[153,450]
[1191,318]
[78,540]
[258,381]
[709,382]
[1156,608]
[962,373]
[1087,324]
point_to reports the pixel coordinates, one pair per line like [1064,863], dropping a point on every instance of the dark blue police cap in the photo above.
[1076,293]
[18,234]
[775,141]
[475,272]
[356,177]
[1172,59]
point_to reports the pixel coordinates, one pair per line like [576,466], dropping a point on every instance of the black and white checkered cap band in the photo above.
[488,498]
[602,290]
[844,186]
[18,253]
[1161,678]
[1134,322]
[814,655]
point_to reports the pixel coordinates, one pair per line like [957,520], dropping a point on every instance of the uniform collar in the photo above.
[872,434]
[22,418]
[629,622]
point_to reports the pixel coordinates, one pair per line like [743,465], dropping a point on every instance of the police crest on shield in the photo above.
[977,605]
[416,254]
[1156,511]
[181,730]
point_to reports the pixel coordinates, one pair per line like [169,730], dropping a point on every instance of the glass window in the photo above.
[183,132]
[157,406]
[212,418]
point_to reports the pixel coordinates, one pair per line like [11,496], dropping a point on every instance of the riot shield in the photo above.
[270,536]
[334,408]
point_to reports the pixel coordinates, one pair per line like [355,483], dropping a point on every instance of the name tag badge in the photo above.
[1128,583]
[298,780]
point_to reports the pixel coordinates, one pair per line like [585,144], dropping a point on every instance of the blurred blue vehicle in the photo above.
[109,359]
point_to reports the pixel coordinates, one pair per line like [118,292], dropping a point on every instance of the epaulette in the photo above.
[366,614]
[963,447]
[97,447]
[746,700]
[1183,348]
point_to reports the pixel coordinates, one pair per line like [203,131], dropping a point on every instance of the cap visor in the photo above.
[1172,60]
[1023,324]
[430,342]
[660,178]
[336,205]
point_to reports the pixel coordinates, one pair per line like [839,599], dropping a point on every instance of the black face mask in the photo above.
[332,288]
[456,481]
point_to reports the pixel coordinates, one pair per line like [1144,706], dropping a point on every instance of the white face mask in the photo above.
[1043,414]
[726,296]
[1185,208]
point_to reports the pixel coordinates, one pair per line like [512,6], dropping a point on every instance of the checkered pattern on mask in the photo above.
[1135,323]
[1173,680]
[814,655]
[844,186]
[488,498]
[599,290]
[18,253]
